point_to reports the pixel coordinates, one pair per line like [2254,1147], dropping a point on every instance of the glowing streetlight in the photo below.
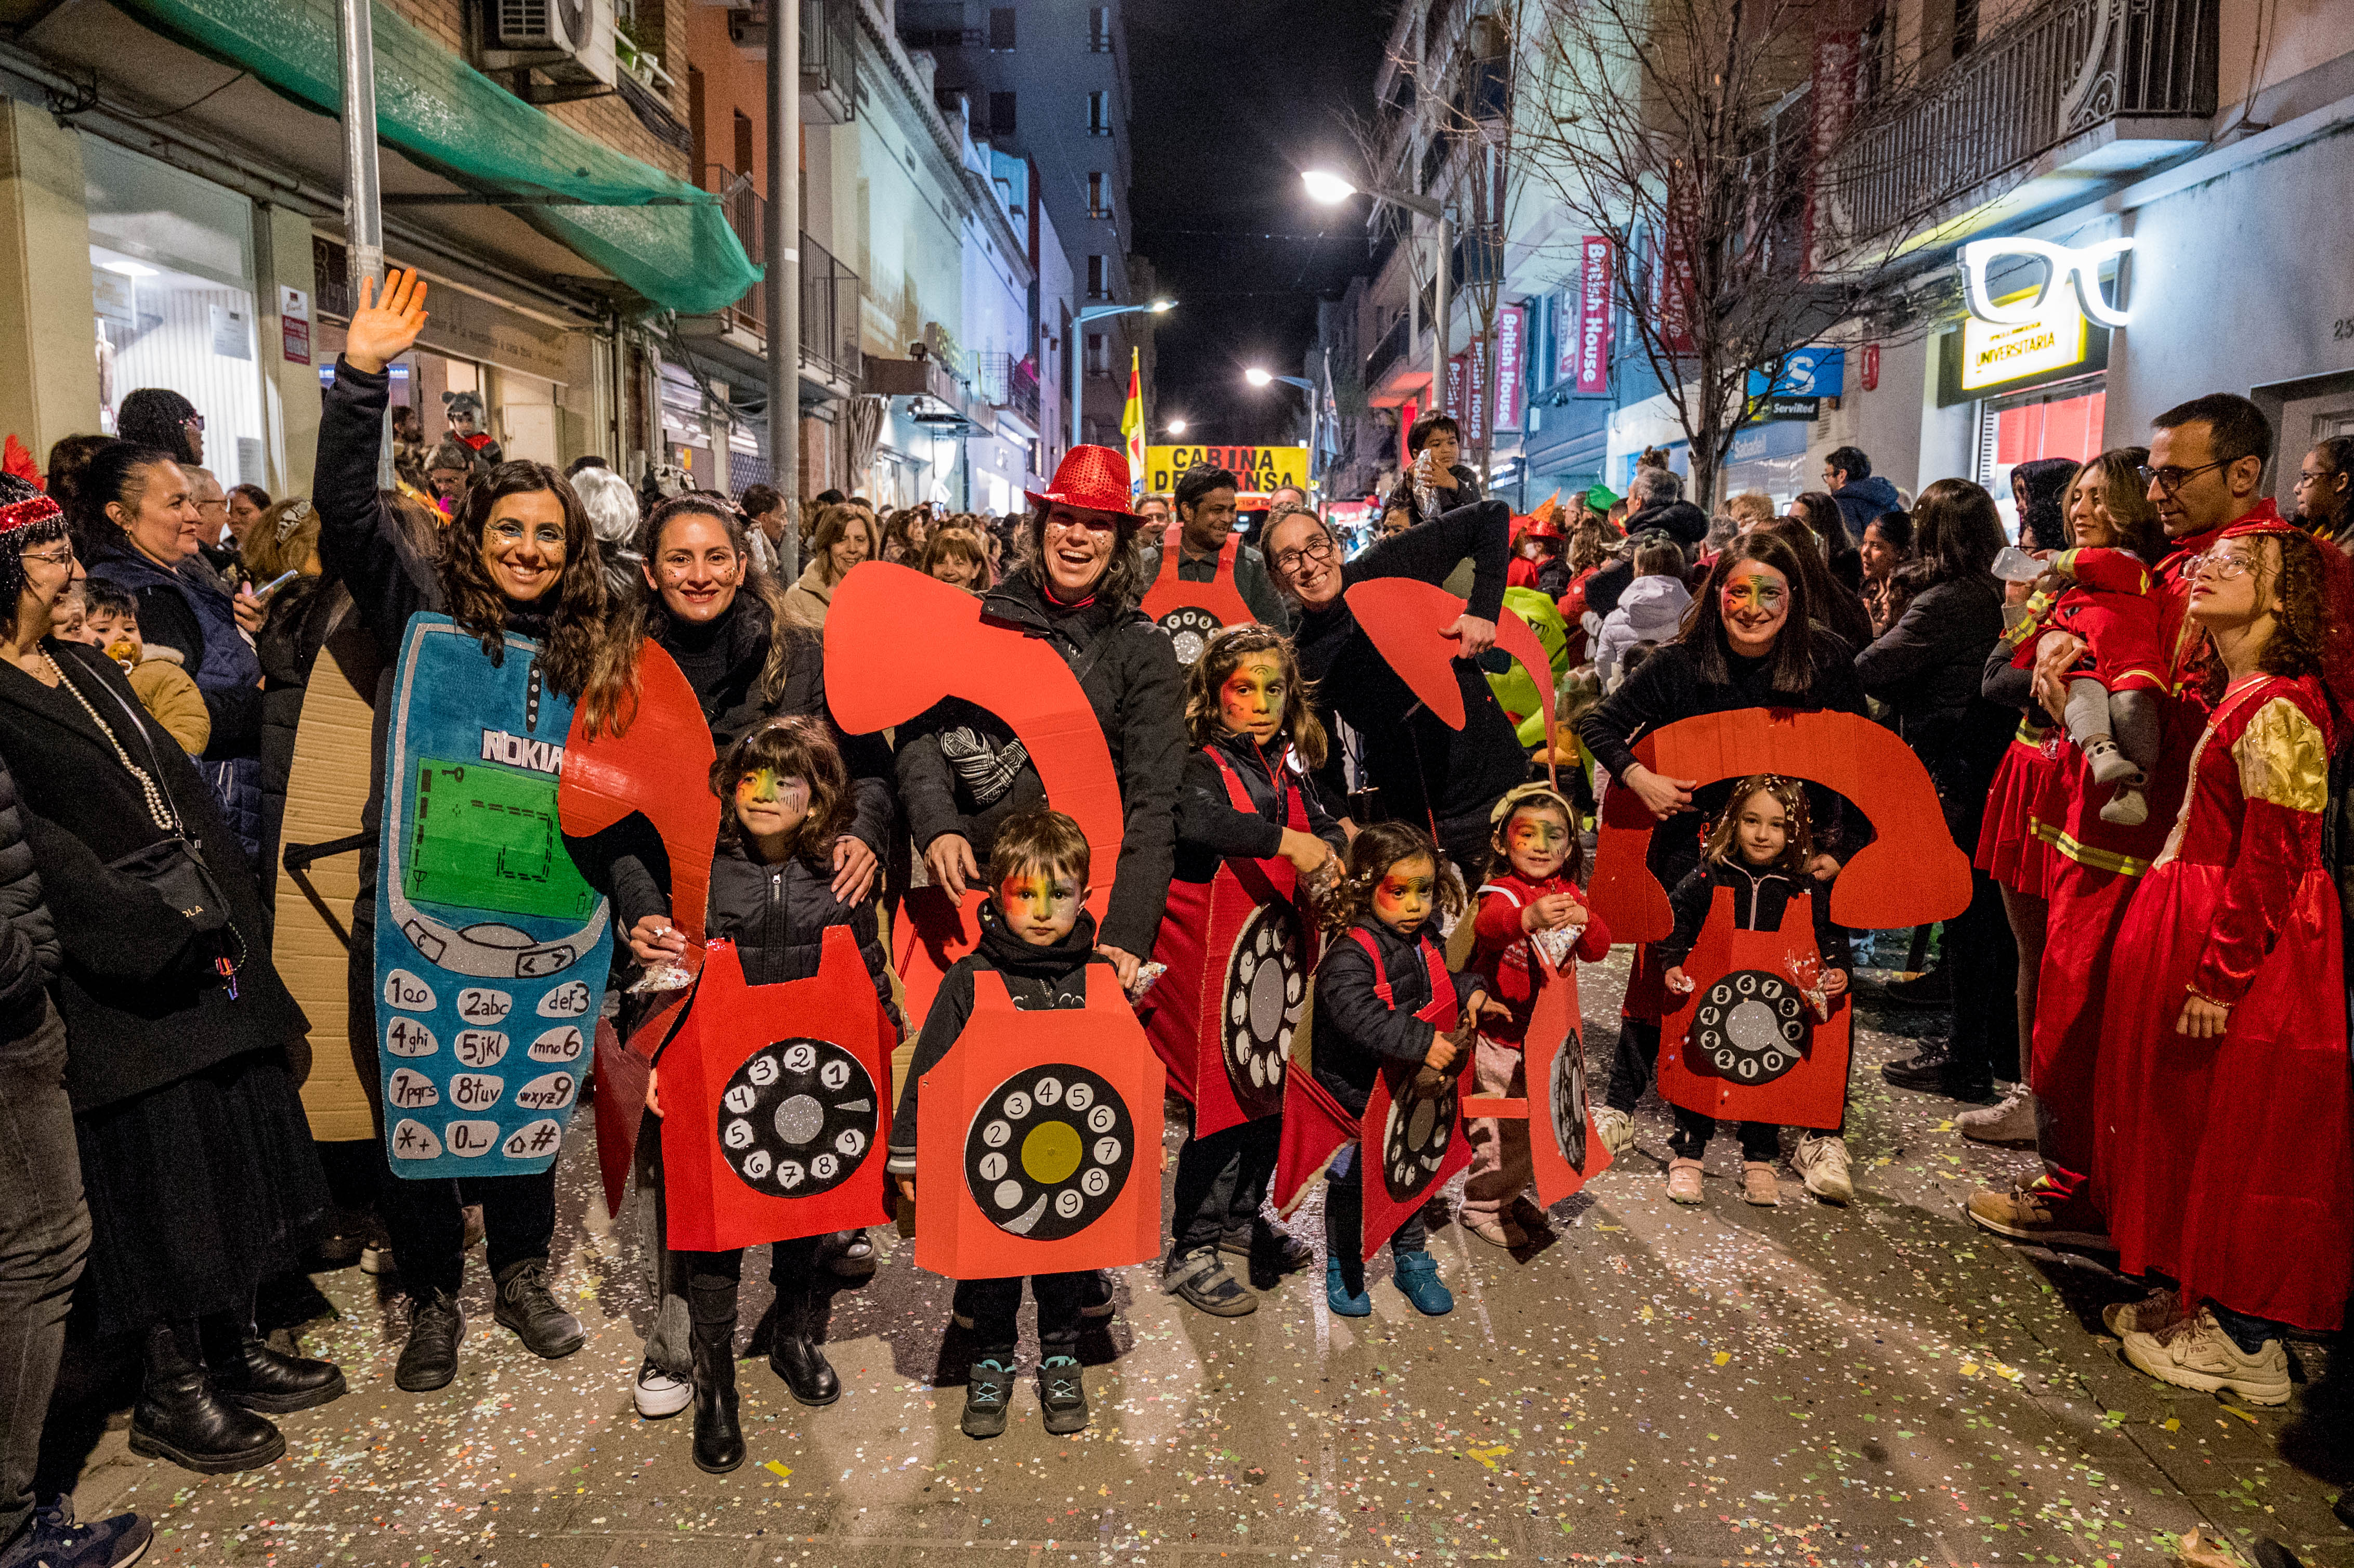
[1176,427]
[1257,377]
[1096,313]
[1328,187]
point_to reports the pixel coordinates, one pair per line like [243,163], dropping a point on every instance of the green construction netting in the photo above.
[436,108]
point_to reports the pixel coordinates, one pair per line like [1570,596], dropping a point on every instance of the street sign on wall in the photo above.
[1261,469]
[1591,347]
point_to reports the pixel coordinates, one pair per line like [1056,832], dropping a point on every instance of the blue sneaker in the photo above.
[52,1540]
[1418,1278]
[1340,1298]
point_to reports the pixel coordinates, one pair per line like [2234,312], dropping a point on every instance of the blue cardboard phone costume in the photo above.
[490,950]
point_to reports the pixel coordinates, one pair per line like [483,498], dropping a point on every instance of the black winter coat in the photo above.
[1930,669]
[29,956]
[776,914]
[1036,978]
[1759,899]
[1422,769]
[142,1002]
[1356,1033]
[1128,668]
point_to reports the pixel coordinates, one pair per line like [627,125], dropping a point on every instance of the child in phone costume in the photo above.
[491,950]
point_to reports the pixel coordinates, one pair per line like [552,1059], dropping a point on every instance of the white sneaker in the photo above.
[1616,1128]
[658,1393]
[2197,1353]
[2011,1121]
[376,1258]
[1823,1161]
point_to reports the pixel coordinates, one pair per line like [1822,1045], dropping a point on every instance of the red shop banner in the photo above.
[1591,347]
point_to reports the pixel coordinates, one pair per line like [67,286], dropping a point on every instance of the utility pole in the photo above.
[363,195]
[782,243]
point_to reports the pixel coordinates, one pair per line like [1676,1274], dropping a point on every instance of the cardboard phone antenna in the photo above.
[898,643]
[1406,619]
[1192,613]
[660,764]
[1910,875]
[776,1104]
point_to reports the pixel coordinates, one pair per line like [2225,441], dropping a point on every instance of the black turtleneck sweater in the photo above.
[1036,978]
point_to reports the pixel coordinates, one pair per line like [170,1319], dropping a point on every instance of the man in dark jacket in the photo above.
[1205,513]
[1656,503]
[1862,494]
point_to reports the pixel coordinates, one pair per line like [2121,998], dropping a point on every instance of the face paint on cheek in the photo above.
[766,787]
[1537,838]
[1402,900]
[1038,898]
[1752,593]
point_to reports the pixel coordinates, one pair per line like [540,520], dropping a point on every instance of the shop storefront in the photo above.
[1772,458]
[2028,390]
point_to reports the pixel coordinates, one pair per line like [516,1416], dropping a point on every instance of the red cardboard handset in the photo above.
[1409,1144]
[1404,618]
[660,764]
[1038,1139]
[776,1104]
[899,643]
[1241,949]
[1563,1146]
[1192,613]
[1753,1039]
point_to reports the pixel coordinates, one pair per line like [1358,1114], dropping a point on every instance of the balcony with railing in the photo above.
[830,323]
[1004,382]
[2093,88]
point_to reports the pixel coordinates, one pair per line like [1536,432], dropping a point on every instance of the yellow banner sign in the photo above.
[1993,354]
[1261,469]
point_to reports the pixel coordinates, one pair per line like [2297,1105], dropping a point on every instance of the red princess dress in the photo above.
[2228,1165]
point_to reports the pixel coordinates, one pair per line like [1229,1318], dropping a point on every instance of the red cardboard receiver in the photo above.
[1038,1139]
[1192,613]
[660,764]
[896,643]
[776,1104]
[1405,617]
[1910,875]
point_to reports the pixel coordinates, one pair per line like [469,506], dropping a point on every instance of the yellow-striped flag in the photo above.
[1131,422]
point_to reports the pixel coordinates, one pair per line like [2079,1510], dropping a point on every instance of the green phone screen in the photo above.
[487,838]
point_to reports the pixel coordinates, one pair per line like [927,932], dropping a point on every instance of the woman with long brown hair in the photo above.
[845,536]
[519,559]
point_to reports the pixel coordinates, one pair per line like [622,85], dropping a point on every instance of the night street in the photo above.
[1883,1386]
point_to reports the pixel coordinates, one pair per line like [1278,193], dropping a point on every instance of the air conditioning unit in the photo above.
[568,41]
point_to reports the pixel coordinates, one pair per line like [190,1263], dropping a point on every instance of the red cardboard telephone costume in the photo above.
[1782,1064]
[1052,1117]
[661,764]
[1564,1149]
[901,642]
[1408,1145]
[1192,613]
[776,1104]
[1241,949]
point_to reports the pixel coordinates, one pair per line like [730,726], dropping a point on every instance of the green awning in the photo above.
[659,235]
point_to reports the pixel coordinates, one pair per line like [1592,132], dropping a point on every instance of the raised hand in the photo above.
[381,333]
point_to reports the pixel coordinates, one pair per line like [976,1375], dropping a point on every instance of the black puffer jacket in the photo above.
[1356,1034]
[30,955]
[1930,668]
[1128,668]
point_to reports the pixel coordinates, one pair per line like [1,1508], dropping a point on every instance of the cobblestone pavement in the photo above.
[1803,1384]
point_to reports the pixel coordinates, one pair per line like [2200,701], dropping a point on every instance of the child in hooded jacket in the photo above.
[1652,608]
[1532,897]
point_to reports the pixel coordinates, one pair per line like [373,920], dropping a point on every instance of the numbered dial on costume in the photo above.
[1191,628]
[1267,989]
[1416,1138]
[1049,1151]
[1566,1100]
[1751,1027]
[797,1119]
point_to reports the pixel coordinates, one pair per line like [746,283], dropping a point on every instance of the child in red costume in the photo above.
[1531,898]
[2114,693]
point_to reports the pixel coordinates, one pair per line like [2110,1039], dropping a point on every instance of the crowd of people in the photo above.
[2129,716]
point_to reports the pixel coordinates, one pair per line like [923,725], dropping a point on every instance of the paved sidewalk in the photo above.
[1882,1385]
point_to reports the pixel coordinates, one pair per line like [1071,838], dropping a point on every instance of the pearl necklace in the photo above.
[158,807]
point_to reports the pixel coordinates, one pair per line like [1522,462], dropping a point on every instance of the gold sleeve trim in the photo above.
[2282,759]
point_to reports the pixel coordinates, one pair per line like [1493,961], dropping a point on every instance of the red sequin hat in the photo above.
[1092,478]
[22,503]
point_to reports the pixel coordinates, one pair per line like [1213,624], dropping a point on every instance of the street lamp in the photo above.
[1330,188]
[1079,349]
[1258,378]
[1176,427]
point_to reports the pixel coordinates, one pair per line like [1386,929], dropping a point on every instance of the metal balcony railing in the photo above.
[1004,382]
[1389,350]
[829,61]
[2052,76]
[830,327]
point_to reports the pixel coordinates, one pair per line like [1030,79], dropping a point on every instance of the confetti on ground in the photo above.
[1881,1384]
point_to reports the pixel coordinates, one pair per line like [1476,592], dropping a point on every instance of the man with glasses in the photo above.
[2205,472]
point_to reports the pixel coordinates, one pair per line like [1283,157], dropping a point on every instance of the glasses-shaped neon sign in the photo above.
[2080,266]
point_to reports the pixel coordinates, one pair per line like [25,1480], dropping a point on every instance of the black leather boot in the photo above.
[525,1305]
[718,1440]
[246,1371]
[182,1418]
[794,1354]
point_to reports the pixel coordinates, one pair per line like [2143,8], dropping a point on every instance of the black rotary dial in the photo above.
[1191,628]
[1416,1138]
[798,1118]
[1750,1028]
[1049,1150]
[1566,1100]
[1267,989]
